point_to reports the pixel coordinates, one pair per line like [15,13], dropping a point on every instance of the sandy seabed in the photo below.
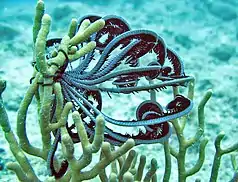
[203,33]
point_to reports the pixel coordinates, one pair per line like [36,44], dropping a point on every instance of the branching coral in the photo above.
[184,143]
[54,105]
[198,138]
[45,91]
[127,171]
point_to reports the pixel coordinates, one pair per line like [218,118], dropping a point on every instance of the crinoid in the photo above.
[122,73]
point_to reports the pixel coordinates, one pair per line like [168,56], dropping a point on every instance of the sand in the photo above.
[203,33]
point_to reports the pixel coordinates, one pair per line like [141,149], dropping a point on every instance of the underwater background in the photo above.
[204,33]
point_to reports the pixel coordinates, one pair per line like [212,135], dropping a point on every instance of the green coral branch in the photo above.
[218,155]
[129,172]
[21,121]
[76,166]
[200,160]
[201,119]
[73,27]
[127,164]
[168,163]
[40,8]
[83,33]
[141,166]
[184,144]
[24,170]
[233,162]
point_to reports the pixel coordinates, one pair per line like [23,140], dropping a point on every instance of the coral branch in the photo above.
[218,155]
[24,170]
